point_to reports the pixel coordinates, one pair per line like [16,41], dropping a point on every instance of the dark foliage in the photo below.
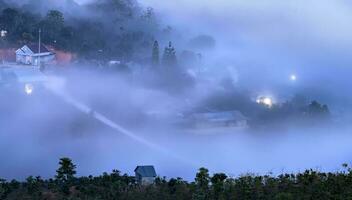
[155,55]
[107,29]
[297,111]
[169,56]
[309,184]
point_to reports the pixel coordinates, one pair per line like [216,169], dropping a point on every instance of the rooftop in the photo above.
[146,171]
[35,48]
[234,114]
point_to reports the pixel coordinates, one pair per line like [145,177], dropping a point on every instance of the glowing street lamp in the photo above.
[28,88]
[266,101]
[293,77]
[3,33]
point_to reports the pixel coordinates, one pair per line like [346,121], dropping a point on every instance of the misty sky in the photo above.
[294,36]
[288,22]
[296,32]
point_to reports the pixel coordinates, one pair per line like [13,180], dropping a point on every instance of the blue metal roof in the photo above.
[145,171]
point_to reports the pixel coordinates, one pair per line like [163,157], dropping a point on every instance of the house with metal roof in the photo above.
[231,118]
[33,54]
[145,175]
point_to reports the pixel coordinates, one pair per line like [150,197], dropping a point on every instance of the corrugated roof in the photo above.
[35,48]
[146,171]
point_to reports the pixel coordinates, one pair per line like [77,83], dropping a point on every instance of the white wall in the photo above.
[33,60]
[148,180]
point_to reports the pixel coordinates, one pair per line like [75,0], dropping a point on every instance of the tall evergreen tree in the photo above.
[169,57]
[66,170]
[155,54]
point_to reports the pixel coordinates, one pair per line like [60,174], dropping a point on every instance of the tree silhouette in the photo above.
[169,56]
[315,109]
[202,181]
[309,184]
[66,170]
[217,182]
[155,54]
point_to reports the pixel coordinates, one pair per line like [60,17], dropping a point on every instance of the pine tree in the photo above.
[169,57]
[66,170]
[155,54]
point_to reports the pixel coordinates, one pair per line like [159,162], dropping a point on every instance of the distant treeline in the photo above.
[299,110]
[118,29]
[309,184]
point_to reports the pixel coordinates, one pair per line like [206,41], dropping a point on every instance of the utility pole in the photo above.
[39,45]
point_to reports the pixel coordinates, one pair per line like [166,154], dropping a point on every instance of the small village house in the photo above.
[145,175]
[32,55]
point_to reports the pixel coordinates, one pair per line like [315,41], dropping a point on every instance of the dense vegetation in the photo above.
[114,29]
[299,110]
[296,111]
[306,185]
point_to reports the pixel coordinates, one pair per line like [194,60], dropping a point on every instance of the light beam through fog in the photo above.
[94,114]
[56,85]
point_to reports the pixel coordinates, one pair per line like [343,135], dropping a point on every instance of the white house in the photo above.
[145,175]
[29,55]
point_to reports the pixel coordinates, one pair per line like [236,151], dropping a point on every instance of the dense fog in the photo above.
[106,119]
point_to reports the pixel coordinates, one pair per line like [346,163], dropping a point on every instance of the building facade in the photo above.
[30,55]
